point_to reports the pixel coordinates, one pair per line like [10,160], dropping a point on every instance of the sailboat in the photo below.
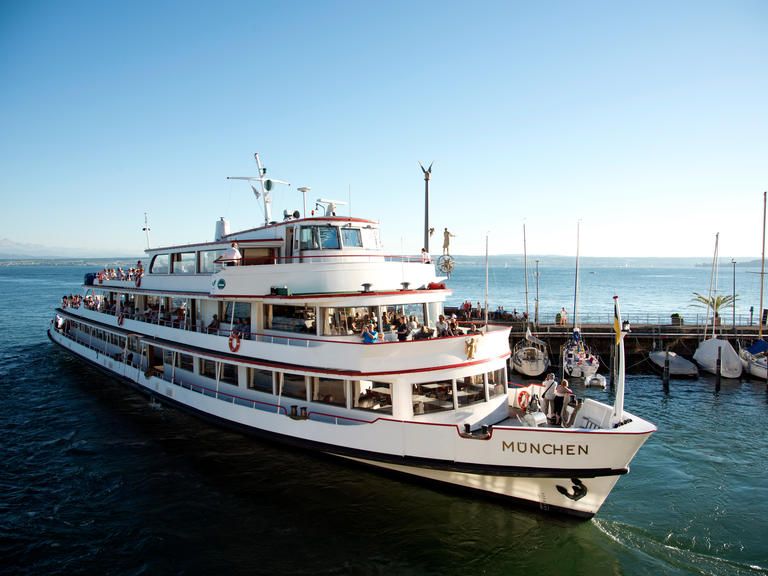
[755,358]
[709,349]
[578,360]
[530,356]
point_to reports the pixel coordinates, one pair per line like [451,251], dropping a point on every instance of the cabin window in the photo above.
[470,390]
[184,263]
[294,386]
[319,238]
[160,264]
[433,397]
[351,238]
[299,319]
[497,382]
[207,261]
[242,311]
[371,395]
[343,321]
[260,380]
[329,391]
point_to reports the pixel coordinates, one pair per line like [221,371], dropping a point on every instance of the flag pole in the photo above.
[618,406]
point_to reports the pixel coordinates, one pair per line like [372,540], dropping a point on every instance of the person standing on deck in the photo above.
[446,241]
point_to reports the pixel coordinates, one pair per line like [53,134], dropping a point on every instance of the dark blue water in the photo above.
[95,479]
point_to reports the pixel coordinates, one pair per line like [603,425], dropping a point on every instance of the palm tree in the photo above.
[714,302]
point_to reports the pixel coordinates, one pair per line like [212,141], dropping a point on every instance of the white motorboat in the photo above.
[679,367]
[596,381]
[265,330]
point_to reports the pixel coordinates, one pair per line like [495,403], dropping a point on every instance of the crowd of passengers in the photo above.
[408,328]
[131,274]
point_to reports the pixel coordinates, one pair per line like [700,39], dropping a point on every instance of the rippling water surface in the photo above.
[96,479]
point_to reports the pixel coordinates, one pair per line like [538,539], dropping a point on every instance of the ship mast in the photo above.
[265,185]
[762,276]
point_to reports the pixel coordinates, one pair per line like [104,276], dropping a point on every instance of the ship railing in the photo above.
[356,258]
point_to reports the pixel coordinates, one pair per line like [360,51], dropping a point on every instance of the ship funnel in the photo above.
[222,229]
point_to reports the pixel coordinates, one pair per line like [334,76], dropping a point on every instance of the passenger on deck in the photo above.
[402,330]
[561,393]
[548,396]
[370,336]
[213,327]
[442,326]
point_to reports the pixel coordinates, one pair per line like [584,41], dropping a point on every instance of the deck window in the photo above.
[294,386]
[207,261]
[351,238]
[350,320]
[208,368]
[229,373]
[371,395]
[470,390]
[497,382]
[184,263]
[329,391]
[160,264]
[260,380]
[299,319]
[432,397]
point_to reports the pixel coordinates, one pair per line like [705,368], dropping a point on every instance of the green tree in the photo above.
[714,302]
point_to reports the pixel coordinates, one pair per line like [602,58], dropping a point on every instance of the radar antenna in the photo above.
[265,187]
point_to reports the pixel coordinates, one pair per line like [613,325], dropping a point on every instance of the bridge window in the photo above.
[351,238]
[319,238]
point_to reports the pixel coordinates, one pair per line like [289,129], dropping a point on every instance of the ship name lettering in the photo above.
[545,448]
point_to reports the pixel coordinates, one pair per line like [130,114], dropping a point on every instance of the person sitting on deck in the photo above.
[213,327]
[442,326]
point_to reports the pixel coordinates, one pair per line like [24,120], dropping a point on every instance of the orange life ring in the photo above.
[234,341]
[523,398]
[120,320]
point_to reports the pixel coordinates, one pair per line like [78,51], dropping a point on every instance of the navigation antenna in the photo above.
[146,228]
[265,187]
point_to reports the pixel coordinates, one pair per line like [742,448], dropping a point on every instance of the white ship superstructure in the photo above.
[263,329]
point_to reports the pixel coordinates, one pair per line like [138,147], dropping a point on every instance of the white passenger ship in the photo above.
[265,335]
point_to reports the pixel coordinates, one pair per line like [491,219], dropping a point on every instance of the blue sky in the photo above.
[647,120]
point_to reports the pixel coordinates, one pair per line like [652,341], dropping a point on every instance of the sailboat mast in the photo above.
[525,270]
[576,283]
[486,283]
[712,276]
[762,277]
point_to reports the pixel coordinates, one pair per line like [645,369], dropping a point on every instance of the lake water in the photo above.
[96,479]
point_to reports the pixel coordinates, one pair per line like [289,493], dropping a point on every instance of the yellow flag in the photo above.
[616,319]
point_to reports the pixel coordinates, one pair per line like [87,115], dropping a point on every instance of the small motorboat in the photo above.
[596,381]
[679,367]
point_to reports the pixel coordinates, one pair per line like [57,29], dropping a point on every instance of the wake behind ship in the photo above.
[305,331]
